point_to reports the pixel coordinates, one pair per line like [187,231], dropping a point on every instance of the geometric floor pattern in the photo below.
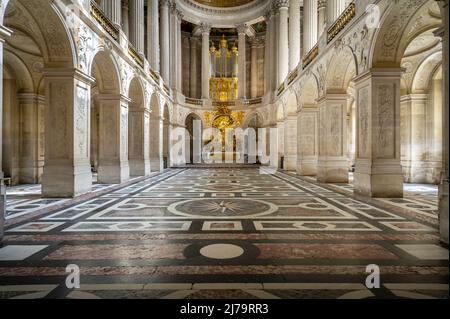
[229,233]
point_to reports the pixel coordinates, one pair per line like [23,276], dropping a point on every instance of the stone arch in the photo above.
[192,144]
[342,68]
[15,67]
[253,119]
[309,92]
[425,72]
[291,104]
[42,22]
[104,69]
[401,22]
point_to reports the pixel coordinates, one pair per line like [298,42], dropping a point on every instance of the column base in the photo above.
[307,167]
[156,164]
[290,163]
[378,180]
[116,173]
[139,167]
[66,181]
[332,170]
[422,172]
[443,211]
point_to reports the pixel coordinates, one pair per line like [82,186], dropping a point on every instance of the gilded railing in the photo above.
[341,22]
[312,54]
[193,101]
[103,20]
[281,88]
[154,76]
[292,76]
[253,101]
[136,56]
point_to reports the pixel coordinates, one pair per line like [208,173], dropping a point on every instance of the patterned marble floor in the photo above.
[228,233]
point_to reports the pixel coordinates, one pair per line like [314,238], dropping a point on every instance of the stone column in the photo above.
[333,165]
[137,25]
[254,70]
[173,47]
[443,187]
[294,34]
[268,55]
[378,171]
[4,33]
[322,16]
[193,69]
[206,63]
[283,41]
[179,53]
[310,24]
[156,160]
[290,142]
[113,166]
[165,43]
[67,170]
[138,141]
[334,10]
[308,141]
[113,10]
[242,70]
[153,34]
[31,108]
[125,18]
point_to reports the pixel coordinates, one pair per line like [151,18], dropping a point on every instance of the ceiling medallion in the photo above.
[224,3]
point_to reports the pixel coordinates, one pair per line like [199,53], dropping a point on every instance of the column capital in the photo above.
[205,28]
[321,4]
[282,4]
[31,98]
[241,28]
[165,3]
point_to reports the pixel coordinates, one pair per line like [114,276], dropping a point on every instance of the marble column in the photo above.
[156,159]
[137,25]
[113,10]
[206,63]
[31,162]
[290,142]
[333,165]
[294,34]
[242,69]
[193,68]
[378,172]
[113,166]
[164,39]
[67,170]
[125,17]
[173,30]
[308,141]
[179,53]
[254,69]
[268,53]
[283,41]
[334,10]
[138,141]
[4,33]
[310,24]
[443,32]
[153,34]
[322,16]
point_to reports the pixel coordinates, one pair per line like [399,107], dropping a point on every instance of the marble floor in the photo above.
[224,233]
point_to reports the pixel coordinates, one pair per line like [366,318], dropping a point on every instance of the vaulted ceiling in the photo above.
[224,3]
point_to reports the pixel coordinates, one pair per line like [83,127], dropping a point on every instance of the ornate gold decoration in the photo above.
[136,57]
[103,20]
[348,14]
[312,54]
[223,89]
[224,3]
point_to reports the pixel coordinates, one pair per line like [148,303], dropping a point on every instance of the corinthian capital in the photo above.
[241,28]
[282,4]
[164,3]
[205,28]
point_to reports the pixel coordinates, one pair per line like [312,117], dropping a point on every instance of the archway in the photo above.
[138,131]
[156,162]
[109,137]
[193,124]
[166,137]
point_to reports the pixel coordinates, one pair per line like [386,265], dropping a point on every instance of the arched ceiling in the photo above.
[224,13]
[224,3]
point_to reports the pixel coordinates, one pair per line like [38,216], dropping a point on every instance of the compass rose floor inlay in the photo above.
[224,233]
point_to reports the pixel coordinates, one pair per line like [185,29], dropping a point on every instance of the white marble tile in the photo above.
[426,252]
[19,252]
